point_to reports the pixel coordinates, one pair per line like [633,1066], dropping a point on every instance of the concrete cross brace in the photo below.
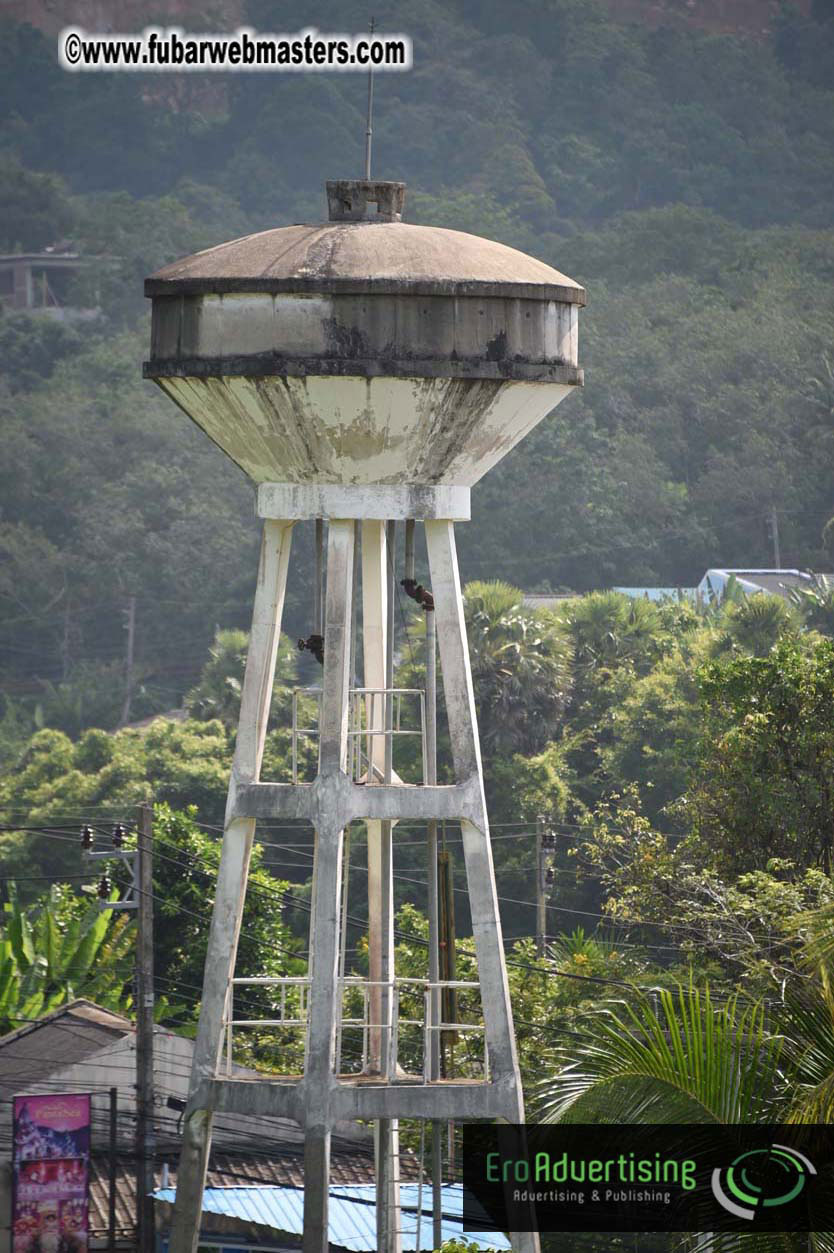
[380,501]
[445,1100]
[334,798]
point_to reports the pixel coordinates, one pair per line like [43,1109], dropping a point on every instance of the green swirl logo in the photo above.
[761,1179]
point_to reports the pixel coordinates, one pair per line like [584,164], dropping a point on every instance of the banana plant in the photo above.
[59,948]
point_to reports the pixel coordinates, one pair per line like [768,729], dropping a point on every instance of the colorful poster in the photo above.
[51,1173]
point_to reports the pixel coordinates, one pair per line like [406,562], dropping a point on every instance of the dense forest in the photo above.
[686,179]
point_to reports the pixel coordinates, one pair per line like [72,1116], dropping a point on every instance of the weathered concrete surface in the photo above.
[364,200]
[325,921]
[358,431]
[366,351]
[337,357]
[347,1101]
[263,333]
[230,892]
[316,801]
[374,503]
[365,258]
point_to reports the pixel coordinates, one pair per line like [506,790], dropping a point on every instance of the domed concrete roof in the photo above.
[356,258]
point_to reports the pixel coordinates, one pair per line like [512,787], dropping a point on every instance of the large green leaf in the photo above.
[18,929]
[671,1056]
[94,928]
[56,949]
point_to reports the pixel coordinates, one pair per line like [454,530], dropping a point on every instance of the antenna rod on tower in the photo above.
[369,133]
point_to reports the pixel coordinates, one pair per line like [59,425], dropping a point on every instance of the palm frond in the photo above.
[671,1056]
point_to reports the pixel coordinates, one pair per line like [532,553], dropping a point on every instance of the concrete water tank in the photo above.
[364,349]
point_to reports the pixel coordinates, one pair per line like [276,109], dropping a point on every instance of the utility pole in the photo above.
[139,897]
[774,535]
[111,1190]
[434,909]
[145,1137]
[541,906]
[131,636]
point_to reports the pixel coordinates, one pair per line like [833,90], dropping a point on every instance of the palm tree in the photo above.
[810,1002]
[217,694]
[678,1057]
[816,603]
[668,1056]
[520,668]
[610,629]
[756,623]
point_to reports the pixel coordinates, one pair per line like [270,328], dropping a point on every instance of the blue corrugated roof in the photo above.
[352,1219]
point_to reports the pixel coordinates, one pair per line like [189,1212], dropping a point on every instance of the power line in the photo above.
[305,906]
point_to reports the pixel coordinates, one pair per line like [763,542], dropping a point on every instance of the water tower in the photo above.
[361,371]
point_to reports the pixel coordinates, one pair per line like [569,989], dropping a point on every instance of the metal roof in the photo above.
[366,257]
[656,593]
[270,1167]
[546,600]
[69,1034]
[352,1214]
[750,580]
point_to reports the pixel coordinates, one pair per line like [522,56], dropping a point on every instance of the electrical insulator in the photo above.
[86,836]
[119,834]
[549,876]
[104,888]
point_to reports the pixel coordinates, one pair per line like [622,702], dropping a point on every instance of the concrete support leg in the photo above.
[230,893]
[463,732]
[377,604]
[388,1212]
[374,642]
[326,906]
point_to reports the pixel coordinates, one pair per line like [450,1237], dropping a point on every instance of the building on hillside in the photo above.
[713,586]
[42,282]
[554,600]
[546,600]
[775,582]
[657,593]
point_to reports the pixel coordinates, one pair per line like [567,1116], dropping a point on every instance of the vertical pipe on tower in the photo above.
[318,596]
[326,903]
[389,1238]
[434,928]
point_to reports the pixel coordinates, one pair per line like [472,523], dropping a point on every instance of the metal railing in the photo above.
[291,1012]
[375,714]
[285,983]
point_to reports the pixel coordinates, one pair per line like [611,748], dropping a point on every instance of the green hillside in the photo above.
[687,180]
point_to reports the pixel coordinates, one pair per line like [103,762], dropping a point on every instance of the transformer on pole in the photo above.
[361,371]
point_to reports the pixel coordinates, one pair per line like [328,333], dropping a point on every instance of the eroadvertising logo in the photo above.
[625,1178]
[742,1188]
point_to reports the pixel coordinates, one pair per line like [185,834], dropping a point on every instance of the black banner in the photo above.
[698,1178]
